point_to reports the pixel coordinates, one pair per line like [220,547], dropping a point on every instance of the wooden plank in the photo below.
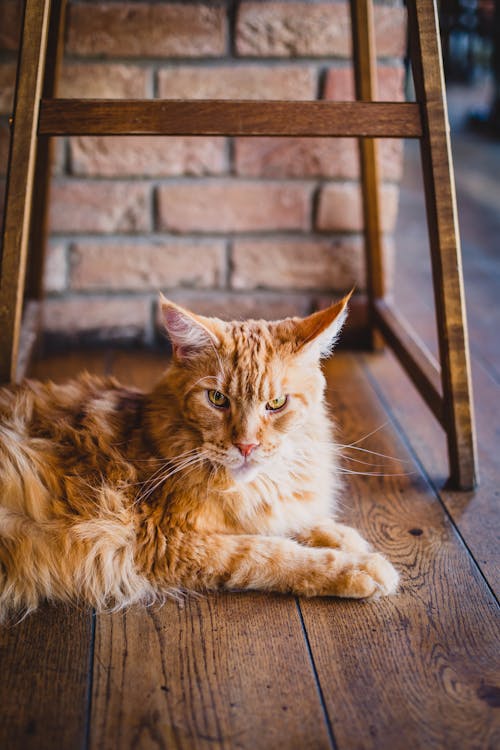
[444,242]
[44,157]
[44,680]
[216,117]
[412,353]
[20,181]
[46,658]
[138,369]
[475,513]
[64,365]
[417,670]
[223,671]
[365,76]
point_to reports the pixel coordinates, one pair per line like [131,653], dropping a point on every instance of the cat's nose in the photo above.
[246,448]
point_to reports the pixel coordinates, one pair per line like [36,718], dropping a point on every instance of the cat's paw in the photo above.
[350,540]
[366,576]
[337,536]
[371,576]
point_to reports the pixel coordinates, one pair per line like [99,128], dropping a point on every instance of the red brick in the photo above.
[149,156]
[234,206]
[103,81]
[98,317]
[284,29]
[242,82]
[311,157]
[55,271]
[58,156]
[99,207]
[238,306]
[10,24]
[340,208]
[7,86]
[390,31]
[147,265]
[339,84]
[146,29]
[298,264]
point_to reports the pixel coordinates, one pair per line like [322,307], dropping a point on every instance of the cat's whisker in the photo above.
[159,480]
[369,434]
[376,453]
[343,470]
[166,463]
[216,380]
[360,461]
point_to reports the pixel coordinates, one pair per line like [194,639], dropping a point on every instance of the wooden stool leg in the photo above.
[365,71]
[444,243]
[39,217]
[20,180]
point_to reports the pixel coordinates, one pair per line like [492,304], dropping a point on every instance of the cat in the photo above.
[224,476]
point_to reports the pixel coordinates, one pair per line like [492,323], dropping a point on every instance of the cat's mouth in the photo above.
[245,472]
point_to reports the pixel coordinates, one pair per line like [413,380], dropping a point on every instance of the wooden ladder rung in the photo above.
[229,117]
[420,365]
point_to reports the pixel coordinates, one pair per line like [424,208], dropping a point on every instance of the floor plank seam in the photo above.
[328,722]
[401,432]
[90,682]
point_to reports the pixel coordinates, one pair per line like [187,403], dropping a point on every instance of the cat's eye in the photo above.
[218,399]
[275,404]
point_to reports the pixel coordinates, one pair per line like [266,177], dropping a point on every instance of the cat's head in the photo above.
[248,389]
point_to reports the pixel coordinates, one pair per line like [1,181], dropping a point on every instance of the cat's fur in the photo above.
[112,496]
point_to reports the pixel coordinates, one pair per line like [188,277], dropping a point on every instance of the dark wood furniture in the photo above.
[37,115]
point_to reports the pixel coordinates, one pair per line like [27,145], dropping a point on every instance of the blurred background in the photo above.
[247,227]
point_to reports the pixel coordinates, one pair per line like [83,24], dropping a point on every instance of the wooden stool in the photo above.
[37,116]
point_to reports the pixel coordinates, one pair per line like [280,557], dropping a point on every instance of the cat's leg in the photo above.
[220,561]
[329,533]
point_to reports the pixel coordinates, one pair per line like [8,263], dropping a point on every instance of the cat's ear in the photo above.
[189,333]
[317,334]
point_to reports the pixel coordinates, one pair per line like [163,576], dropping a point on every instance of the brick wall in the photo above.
[263,226]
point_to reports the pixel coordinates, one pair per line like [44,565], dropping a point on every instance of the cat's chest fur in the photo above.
[280,502]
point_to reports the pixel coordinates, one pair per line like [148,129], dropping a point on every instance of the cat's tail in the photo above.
[19,588]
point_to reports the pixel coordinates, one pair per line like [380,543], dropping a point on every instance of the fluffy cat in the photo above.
[224,476]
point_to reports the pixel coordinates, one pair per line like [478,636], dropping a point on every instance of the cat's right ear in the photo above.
[189,333]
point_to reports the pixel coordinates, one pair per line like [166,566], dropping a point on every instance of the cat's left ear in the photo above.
[318,333]
[188,332]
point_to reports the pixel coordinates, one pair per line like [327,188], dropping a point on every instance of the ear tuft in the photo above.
[318,333]
[189,334]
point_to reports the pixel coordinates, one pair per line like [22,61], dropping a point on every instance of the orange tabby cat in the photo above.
[223,477]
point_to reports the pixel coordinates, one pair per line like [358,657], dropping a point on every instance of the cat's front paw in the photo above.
[366,576]
[335,535]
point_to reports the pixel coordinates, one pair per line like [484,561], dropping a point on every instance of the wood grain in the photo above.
[216,117]
[223,671]
[365,76]
[419,669]
[444,242]
[39,230]
[19,188]
[475,513]
[44,679]
[46,659]
[417,360]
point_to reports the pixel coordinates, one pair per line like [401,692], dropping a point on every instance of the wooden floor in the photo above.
[418,670]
